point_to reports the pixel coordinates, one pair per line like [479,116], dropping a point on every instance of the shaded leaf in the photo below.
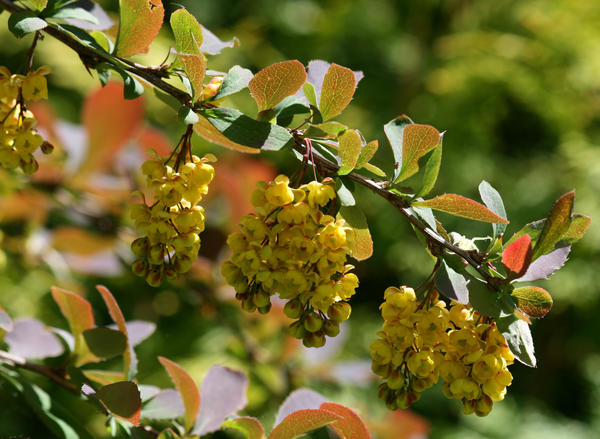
[344,195]
[114,310]
[309,92]
[394,131]
[517,256]
[350,145]
[432,169]
[363,243]
[417,140]
[367,153]
[31,339]
[187,115]
[451,284]
[350,426]
[139,23]
[492,199]
[24,22]
[301,422]
[517,334]
[105,342]
[78,313]
[237,79]
[212,45]
[186,387]
[122,399]
[485,300]
[243,130]
[337,90]
[251,428]
[546,264]
[533,301]
[137,330]
[556,225]
[206,130]
[270,85]
[167,404]
[458,205]
[220,381]
[299,399]
[288,108]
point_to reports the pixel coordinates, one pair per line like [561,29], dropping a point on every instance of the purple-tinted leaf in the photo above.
[452,284]
[30,338]
[103,20]
[517,334]
[212,45]
[299,400]
[316,72]
[545,265]
[137,330]
[356,372]
[186,386]
[148,391]
[167,404]
[223,393]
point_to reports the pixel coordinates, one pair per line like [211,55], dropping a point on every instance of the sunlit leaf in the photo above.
[350,145]
[187,32]
[458,205]
[492,199]
[517,334]
[363,243]
[301,422]
[104,377]
[432,169]
[186,386]
[122,399]
[417,140]
[367,153]
[517,256]
[556,225]
[139,23]
[273,83]
[299,399]
[350,426]
[251,428]
[533,301]
[195,68]
[337,90]
[38,4]
[579,225]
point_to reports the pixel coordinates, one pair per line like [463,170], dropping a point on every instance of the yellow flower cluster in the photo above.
[18,137]
[172,224]
[423,341]
[291,248]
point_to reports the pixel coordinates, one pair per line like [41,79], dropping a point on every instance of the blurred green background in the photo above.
[516,87]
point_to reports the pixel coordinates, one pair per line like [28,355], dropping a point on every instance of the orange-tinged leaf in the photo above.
[186,386]
[115,312]
[122,399]
[417,140]
[458,205]
[337,90]
[350,426]
[78,313]
[140,21]
[206,130]
[110,121]
[517,256]
[104,377]
[556,225]
[272,84]
[363,243]
[533,301]
[349,151]
[195,68]
[30,205]
[367,153]
[151,138]
[301,422]
[250,427]
[79,241]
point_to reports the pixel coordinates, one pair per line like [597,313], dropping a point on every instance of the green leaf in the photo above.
[288,108]
[344,194]
[394,131]
[24,22]
[38,4]
[492,199]
[517,334]
[105,342]
[458,205]
[350,426]
[451,284]
[139,23]
[309,92]
[350,145]
[579,225]
[337,90]
[187,32]
[122,399]
[366,154]
[132,88]
[104,74]
[186,386]
[243,130]
[556,225]
[432,169]
[325,130]
[533,301]
[187,115]
[374,169]
[236,79]
[77,13]
[363,243]
[485,300]
[251,428]
[273,83]
[417,140]
[302,421]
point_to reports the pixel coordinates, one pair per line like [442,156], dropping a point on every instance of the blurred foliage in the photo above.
[516,85]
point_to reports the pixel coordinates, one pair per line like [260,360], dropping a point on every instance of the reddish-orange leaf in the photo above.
[186,386]
[78,313]
[110,121]
[417,140]
[458,205]
[273,83]
[301,422]
[533,301]
[140,21]
[205,129]
[250,427]
[350,426]
[517,256]
[337,90]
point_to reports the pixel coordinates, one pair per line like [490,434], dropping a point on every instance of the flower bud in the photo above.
[339,311]
[154,277]
[297,330]
[139,247]
[312,322]
[293,309]
[140,267]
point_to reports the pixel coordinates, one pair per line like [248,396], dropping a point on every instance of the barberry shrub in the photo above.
[465,324]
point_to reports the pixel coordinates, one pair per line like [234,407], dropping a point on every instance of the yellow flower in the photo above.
[34,86]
